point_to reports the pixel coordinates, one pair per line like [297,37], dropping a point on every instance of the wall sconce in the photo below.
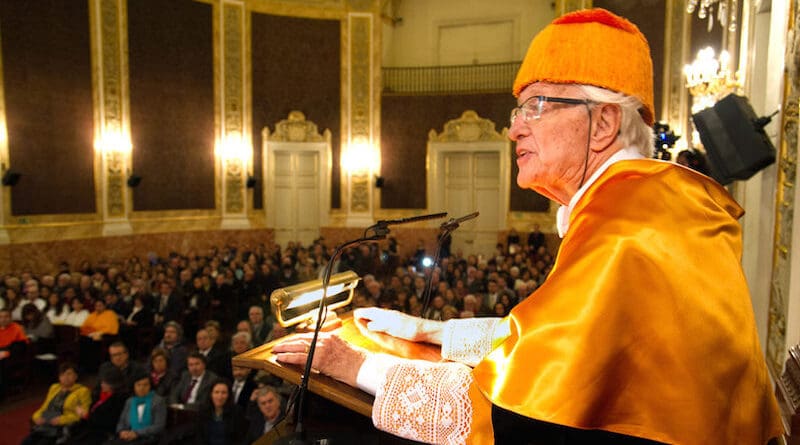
[360,156]
[297,304]
[134,180]
[113,141]
[233,148]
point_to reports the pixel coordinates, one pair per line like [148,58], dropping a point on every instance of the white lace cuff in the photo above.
[373,371]
[468,340]
[424,401]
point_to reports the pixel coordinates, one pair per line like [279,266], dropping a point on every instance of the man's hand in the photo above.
[400,325]
[39,421]
[333,356]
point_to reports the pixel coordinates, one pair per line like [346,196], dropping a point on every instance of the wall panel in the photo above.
[47,82]
[171,60]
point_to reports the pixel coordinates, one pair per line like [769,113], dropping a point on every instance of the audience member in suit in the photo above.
[168,304]
[144,416]
[260,327]
[218,358]
[139,319]
[172,343]
[99,423]
[162,377]
[195,383]
[221,421]
[265,413]
[242,387]
[119,358]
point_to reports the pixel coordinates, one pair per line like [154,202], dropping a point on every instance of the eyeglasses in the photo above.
[532,107]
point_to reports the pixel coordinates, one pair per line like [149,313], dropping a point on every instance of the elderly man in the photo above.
[610,349]
[264,419]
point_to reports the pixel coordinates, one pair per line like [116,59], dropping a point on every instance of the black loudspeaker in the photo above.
[736,145]
[134,180]
[10,178]
[251,182]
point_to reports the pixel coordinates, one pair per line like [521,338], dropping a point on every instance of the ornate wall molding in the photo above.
[112,120]
[235,136]
[297,129]
[675,97]
[468,128]
[785,198]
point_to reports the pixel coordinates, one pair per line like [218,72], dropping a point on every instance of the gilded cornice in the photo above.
[297,129]
[468,128]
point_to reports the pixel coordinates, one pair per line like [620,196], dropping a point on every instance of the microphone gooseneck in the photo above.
[446,228]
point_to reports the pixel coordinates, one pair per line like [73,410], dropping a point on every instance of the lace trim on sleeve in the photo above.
[426,402]
[468,340]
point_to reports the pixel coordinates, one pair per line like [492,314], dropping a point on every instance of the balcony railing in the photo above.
[494,77]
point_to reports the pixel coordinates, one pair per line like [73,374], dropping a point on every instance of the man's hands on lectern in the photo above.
[398,324]
[333,356]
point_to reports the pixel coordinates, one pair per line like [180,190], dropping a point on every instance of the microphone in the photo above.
[453,223]
[381,228]
[446,228]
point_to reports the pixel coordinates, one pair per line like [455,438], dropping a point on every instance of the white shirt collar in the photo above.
[564,212]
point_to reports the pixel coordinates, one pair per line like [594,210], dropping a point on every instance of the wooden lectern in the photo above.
[352,398]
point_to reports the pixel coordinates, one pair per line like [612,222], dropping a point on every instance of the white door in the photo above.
[296,198]
[473,182]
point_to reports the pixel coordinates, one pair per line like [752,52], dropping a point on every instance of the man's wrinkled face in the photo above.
[551,150]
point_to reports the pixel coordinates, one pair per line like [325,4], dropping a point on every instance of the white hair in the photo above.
[633,131]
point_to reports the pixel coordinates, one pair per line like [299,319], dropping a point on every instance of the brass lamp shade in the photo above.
[296,304]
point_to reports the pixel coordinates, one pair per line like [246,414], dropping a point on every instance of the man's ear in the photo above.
[606,126]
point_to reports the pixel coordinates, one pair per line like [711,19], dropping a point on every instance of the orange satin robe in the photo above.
[644,326]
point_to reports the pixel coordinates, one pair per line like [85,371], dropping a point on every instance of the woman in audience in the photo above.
[101,322]
[57,310]
[161,376]
[220,422]
[144,416]
[470,306]
[78,314]
[59,407]
[99,423]
[241,342]
[37,326]
[11,299]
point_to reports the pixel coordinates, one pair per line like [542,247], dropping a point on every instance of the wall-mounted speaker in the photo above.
[11,178]
[734,139]
[251,182]
[134,180]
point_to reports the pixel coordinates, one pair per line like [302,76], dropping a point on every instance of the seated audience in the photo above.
[161,376]
[242,387]
[120,359]
[240,343]
[144,416]
[172,343]
[194,384]
[57,310]
[138,321]
[10,332]
[267,413]
[99,423]
[221,421]
[37,326]
[260,328]
[101,322]
[217,357]
[59,408]
[78,315]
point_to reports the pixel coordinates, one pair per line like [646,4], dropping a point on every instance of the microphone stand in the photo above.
[379,232]
[447,228]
